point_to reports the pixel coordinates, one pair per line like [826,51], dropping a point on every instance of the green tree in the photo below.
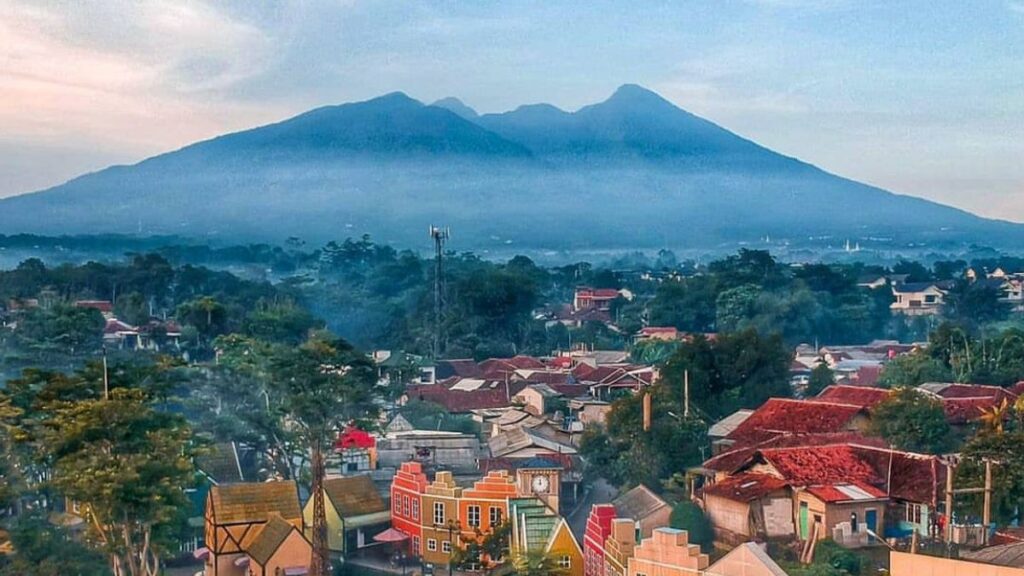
[821,377]
[323,385]
[688,516]
[42,549]
[1007,450]
[912,421]
[913,369]
[129,466]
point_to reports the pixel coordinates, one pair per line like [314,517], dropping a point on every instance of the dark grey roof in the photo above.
[1003,555]
[638,503]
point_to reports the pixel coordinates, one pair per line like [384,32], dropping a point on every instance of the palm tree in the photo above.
[992,418]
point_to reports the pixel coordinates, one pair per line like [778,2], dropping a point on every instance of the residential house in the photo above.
[219,464]
[647,510]
[589,411]
[538,399]
[587,298]
[484,507]
[785,416]
[536,527]
[357,450]
[963,404]
[667,552]
[355,511]
[918,298]
[235,517]
[276,548]
[432,448]
[853,395]
[749,506]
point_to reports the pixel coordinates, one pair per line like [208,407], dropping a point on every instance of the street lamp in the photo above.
[452,526]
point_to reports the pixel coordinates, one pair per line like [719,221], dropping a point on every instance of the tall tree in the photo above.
[323,385]
[911,421]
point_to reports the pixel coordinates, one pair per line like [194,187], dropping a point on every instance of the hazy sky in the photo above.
[920,97]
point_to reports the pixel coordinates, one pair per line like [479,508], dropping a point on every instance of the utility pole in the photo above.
[686,394]
[440,236]
[986,513]
[106,379]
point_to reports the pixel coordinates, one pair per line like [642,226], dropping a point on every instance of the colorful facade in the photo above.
[599,527]
[439,519]
[484,507]
[619,545]
[407,488]
[537,528]
[667,552]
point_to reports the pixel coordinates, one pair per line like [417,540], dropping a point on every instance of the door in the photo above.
[803,521]
[871,520]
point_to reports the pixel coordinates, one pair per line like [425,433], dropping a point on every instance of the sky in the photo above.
[919,97]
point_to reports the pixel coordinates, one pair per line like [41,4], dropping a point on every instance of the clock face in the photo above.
[540,484]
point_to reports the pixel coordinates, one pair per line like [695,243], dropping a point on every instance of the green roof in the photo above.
[540,523]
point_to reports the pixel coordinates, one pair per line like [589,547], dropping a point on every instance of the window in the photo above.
[495,513]
[564,561]
[405,505]
[438,513]
[431,544]
[473,514]
[416,545]
[913,513]
[446,547]
[415,509]
[396,505]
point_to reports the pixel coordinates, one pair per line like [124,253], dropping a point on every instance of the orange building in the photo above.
[484,507]
[667,552]
[439,519]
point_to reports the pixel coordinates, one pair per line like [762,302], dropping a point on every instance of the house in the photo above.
[484,507]
[918,298]
[274,548]
[589,411]
[872,281]
[663,333]
[749,506]
[587,298]
[234,518]
[853,395]
[647,510]
[720,431]
[526,443]
[536,527]
[599,527]
[784,416]
[121,335]
[432,448]
[538,399]
[845,512]
[965,403]
[355,511]
[667,552]
[105,307]
[357,450]
[219,464]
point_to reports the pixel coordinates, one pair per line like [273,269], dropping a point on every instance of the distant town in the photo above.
[740,417]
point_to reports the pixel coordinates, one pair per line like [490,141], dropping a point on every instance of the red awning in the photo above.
[391,535]
[201,553]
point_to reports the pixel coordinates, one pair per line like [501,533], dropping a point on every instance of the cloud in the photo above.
[125,73]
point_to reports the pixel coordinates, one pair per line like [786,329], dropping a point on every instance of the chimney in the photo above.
[647,411]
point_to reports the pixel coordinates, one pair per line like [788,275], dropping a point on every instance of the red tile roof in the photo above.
[819,465]
[780,416]
[915,477]
[745,487]
[353,437]
[853,395]
[975,391]
[490,395]
[597,293]
[965,410]
[867,375]
[733,459]
[101,305]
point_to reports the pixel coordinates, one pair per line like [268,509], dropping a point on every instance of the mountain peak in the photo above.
[636,94]
[454,105]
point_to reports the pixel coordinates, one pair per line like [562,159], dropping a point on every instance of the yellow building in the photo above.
[536,527]
[355,512]
[667,552]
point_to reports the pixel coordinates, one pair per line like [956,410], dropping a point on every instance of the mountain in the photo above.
[455,105]
[634,171]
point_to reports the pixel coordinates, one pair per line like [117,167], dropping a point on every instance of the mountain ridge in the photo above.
[633,170]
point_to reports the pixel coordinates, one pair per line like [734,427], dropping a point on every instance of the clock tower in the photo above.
[541,478]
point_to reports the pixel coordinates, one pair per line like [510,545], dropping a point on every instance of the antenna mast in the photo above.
[440,236]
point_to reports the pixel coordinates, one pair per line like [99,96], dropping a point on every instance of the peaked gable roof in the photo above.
[638,503]
[780,416]
[853,395]
[220,464]
[254,502]
[265,542]
[354,495]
